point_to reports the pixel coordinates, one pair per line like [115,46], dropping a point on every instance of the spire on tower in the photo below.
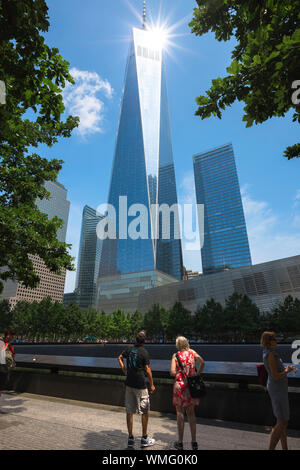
[144,15]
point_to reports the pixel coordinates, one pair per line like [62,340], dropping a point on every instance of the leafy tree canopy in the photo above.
[34,75]
[265,61]
[5,316]
[209,319]
[180,321]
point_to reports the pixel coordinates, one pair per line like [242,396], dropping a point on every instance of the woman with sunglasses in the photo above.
[277,387]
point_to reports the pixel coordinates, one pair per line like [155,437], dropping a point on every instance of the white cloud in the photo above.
[187,189]
[82,99]
[259,216]
[270,235]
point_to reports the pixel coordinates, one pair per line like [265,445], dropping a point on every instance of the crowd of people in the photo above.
[137,398]
[186,363]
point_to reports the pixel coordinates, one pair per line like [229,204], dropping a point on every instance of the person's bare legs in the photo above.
[190,411]
[276,434]
[283,437]
[145,418]
[129,419]
[180,422]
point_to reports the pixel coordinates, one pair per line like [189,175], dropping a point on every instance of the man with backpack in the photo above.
[136,395]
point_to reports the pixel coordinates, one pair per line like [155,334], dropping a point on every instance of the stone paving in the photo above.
[34,422]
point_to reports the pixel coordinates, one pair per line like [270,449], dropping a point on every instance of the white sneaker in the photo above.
[147,442]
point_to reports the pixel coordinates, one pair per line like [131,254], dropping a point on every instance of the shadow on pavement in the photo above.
[244,426]
[106,440]
[117,440]
[9,404]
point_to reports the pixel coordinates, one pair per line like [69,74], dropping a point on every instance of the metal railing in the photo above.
[241,373]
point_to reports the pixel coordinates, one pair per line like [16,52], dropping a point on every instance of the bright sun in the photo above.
[159,37]
[162,29]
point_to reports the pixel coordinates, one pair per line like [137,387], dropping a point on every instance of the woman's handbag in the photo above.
[262,374]
[10,362]
[196,385]
[7,360]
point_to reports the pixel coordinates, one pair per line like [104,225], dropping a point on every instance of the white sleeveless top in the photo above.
[2,352]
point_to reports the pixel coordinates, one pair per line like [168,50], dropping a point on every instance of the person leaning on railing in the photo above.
[277,387]
[182,399]
[136,393]
[5,345]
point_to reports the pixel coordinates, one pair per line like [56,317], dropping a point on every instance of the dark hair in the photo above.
[140,337]
[9,332]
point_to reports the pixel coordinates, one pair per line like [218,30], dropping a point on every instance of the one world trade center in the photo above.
[142,175]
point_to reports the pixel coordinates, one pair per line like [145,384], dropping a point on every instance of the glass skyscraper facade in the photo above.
[226,243]
[57,205]
[143,167]
[88,259]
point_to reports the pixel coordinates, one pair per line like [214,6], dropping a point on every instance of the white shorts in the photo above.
[137,400]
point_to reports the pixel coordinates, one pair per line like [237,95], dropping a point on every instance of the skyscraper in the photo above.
[88,258]
[143,167]
[57,205]
[226,243]
[51,284]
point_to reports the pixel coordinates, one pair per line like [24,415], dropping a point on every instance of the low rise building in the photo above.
[266,284]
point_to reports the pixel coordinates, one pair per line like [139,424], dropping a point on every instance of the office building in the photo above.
[70,298]
[88,259]
[266,284]
[189,274]
[51,284]
[143,172]
[226,243]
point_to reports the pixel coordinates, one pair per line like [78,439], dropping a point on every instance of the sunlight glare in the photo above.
[159,37]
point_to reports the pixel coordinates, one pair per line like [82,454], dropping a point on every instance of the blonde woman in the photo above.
[277,387]
[182,399]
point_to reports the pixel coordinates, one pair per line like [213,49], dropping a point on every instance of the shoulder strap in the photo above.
[180,363]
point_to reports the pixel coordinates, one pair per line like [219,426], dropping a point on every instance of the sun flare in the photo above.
[158,36]
[163,29]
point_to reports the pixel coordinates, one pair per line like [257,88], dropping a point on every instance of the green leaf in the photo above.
[267,42]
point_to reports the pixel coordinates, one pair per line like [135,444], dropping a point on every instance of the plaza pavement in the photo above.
[34,422]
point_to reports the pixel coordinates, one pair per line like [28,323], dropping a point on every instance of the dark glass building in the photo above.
[143,167]
[226,243]
[88,259]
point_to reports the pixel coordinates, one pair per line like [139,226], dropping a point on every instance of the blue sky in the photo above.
[94,37]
